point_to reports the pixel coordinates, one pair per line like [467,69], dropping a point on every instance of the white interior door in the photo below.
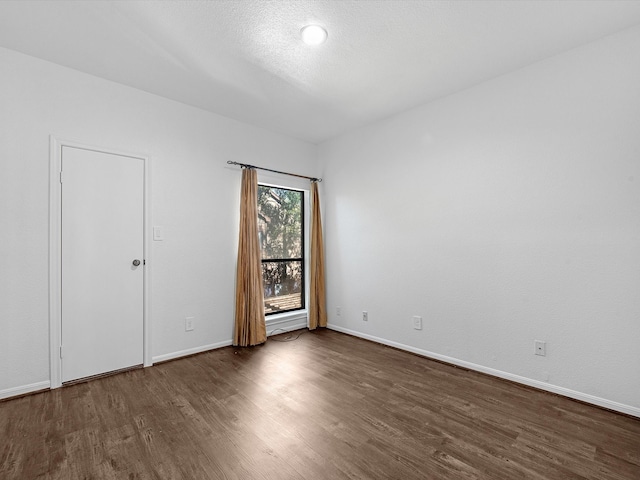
[102,237]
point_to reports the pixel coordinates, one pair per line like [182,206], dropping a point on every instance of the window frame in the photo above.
[303,250]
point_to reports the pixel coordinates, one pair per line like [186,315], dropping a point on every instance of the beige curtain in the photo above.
[317,304]
[250,328]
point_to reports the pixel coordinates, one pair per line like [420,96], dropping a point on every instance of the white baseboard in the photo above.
[583,397]
[190,351]
[276,328]
[24,389]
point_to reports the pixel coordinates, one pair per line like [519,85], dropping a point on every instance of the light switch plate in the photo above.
[158,234]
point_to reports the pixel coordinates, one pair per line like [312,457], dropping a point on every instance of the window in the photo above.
[281,236]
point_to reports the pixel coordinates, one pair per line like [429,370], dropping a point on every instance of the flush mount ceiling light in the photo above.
[313,34]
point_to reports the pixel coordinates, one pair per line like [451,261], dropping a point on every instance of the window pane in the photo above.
[283,289]
[280,223]
[281,236]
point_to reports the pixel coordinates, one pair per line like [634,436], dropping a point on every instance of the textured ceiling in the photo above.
[244,58]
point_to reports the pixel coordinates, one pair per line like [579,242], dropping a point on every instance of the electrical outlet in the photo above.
[417,323]
[188,324]
[540,348]
[338,311]
[365,316]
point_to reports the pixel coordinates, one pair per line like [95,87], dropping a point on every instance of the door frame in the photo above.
[55,252]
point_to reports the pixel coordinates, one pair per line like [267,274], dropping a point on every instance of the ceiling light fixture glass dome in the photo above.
[313,35]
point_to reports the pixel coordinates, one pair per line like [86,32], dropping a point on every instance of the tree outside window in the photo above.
[281,236]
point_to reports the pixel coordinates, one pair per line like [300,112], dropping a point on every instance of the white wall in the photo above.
[506,213]
[195,197]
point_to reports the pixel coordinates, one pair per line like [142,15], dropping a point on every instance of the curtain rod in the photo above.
[244,165]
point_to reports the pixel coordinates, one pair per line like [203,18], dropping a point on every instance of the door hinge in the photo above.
[60,351]
[60,177]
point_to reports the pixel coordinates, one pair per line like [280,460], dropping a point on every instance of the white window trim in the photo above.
[297,318]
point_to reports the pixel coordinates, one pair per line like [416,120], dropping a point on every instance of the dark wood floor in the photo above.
[325,406]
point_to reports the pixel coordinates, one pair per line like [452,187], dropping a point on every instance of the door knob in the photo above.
[136,262]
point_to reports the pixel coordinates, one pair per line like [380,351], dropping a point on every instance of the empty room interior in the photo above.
[448,190]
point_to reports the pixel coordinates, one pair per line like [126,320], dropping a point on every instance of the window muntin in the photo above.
[281,237]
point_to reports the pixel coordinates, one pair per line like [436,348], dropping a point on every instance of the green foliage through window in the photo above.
[281,236]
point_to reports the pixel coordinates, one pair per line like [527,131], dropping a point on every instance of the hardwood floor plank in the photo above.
[325,406]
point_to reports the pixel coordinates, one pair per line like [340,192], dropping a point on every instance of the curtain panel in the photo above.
[317,295]
[250,328]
